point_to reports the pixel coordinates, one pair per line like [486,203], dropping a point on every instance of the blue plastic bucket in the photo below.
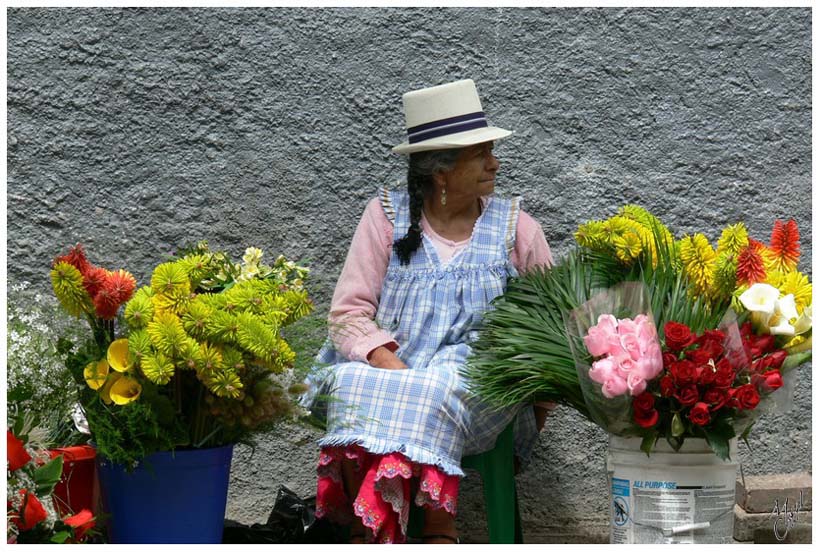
[171,497]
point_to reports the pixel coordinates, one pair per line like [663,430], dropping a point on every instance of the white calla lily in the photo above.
[785,315]
[760,298]
[804,322]
[786,307]
[782,328]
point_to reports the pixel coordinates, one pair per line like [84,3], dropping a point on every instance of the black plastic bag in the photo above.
[292,521]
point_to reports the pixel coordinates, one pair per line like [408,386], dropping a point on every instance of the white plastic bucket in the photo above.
[670,497]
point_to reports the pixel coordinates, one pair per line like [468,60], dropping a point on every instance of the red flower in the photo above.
[771,380]
[81,523]
[684,372]
[715,348]
[746,397]
[16,453]
[776,359]
[76,258]
[31,512]
[116,289]
[669,359]
[93,280]
[785,244]
[707,374]
[750,266]
[645,401]
[716,398]
[646,418]
[746,331]
[688,395]
[725,373]
[699,414]
[106,305]
[120,285]
[711,335]
[762,343]
[644,412]
[667,386]
[700,356]
[678,336]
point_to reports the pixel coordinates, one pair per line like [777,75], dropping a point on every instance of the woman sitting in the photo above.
[422,269]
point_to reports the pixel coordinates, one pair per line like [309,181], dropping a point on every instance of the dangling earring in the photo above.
[444,196]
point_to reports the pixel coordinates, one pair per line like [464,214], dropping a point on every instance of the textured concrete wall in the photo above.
[135,130]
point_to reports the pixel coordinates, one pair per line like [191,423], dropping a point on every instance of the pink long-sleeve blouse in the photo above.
[353,330]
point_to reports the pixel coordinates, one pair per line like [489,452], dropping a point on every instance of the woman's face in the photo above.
[473,175]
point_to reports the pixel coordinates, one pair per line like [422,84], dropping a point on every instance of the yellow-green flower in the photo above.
[157,368]
[170,278]
[118,355]
[724,281]
[211,360]
[697,257]
[627,246]
[167,333]
[95,373]
[733,239]
[797,284]
[591,235]
[196,318]
[125,390]
[225,383]
[68,287]
[140,309]
[139,345]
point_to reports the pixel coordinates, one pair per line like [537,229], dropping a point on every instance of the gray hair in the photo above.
[425,164]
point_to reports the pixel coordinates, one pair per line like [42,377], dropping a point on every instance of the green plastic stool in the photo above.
[501,502]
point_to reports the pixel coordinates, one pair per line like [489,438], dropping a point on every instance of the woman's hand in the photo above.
[383,357]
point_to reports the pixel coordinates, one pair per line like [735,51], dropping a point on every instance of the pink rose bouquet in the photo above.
[631,354]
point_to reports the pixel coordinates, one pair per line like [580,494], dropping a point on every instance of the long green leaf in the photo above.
[48,475]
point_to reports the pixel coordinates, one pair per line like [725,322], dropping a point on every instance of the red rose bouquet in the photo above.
[710,385]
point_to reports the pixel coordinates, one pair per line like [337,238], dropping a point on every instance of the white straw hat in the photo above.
[445,117]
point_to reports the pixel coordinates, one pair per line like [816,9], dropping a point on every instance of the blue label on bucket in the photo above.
[620,487]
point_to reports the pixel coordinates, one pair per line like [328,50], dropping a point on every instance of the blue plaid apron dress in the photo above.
[434,312]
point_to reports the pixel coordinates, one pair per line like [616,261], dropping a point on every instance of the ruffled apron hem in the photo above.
[383,501]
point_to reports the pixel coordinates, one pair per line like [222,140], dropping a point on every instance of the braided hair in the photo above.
[421,167]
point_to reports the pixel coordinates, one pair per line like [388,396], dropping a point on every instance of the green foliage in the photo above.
[718,434]
[306,337]
[794,360]
[522,352]
[126,434]
[48,475]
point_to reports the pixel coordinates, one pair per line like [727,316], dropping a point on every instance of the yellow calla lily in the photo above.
[105,392]
[125,390]
[118,355]
[95,373]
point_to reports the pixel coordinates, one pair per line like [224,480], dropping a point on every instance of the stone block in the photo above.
[758,493]
[760,527]
[799,534]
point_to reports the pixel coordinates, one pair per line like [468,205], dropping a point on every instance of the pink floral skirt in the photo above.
[383,502]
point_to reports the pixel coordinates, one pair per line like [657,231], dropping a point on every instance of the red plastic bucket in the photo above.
[78,488]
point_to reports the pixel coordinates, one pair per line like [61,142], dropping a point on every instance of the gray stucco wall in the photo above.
[135,130]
